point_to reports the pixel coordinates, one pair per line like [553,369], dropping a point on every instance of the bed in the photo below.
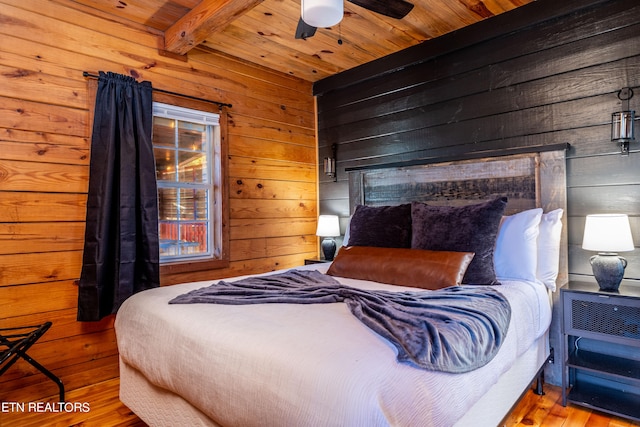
[317,364]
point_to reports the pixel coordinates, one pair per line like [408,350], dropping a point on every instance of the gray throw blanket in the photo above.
[456,329]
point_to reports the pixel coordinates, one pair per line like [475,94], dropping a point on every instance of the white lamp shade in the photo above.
[607,233]
[322,13]
[328,226]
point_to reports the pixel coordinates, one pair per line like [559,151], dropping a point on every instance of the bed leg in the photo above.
[539,384]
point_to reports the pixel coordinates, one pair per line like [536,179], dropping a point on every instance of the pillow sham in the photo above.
[382,226]
[471,228]
[549,248]
[516,252]
[401,266]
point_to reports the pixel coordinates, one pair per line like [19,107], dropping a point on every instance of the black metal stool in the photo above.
[17,341]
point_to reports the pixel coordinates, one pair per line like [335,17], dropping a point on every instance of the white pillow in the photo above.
[345,240]
[516,253]
[549,248]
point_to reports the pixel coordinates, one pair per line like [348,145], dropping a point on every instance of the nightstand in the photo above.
[601,348]
[315,261]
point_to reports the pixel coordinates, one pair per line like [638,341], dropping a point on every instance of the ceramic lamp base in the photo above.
[329,248]
[608,269]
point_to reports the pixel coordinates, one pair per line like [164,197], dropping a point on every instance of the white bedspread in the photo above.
[305,365]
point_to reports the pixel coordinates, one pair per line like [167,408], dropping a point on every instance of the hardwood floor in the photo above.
[106,410]
[547,411]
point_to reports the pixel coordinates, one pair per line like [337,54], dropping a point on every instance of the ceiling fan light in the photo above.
[322,13]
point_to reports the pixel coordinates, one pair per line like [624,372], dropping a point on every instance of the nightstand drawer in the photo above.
[596,315]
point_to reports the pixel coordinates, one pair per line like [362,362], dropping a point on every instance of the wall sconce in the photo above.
[330,164]
[622,122]
[608,234]
[328,227]
[322,13]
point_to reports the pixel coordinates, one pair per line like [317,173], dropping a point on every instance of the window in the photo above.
[187,149]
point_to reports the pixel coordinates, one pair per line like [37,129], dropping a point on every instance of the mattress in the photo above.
[284,364]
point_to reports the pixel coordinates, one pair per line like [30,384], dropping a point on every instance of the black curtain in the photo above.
[121,255]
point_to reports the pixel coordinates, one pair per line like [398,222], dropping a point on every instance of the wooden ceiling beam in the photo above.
[207,17]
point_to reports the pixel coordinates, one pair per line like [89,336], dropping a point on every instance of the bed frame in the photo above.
[535,179]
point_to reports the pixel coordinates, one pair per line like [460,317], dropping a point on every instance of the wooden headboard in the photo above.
[529,180]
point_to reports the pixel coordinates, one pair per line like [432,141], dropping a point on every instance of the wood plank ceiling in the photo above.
[262,32]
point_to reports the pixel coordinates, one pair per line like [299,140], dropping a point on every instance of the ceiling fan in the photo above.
[397,9]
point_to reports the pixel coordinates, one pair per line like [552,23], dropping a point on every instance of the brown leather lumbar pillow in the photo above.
[399,266]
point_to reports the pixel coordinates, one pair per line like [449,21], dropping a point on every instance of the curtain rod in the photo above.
[220,104]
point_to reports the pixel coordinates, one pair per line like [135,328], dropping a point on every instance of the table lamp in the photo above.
[328,227]
[608,234]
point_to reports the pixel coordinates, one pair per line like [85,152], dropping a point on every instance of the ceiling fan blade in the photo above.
[304,30]
[393,8]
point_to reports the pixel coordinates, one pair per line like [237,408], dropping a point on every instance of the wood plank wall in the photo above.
[518,79]
[44,156]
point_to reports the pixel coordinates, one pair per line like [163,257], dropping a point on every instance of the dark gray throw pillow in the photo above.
[472,228]
[381,226]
